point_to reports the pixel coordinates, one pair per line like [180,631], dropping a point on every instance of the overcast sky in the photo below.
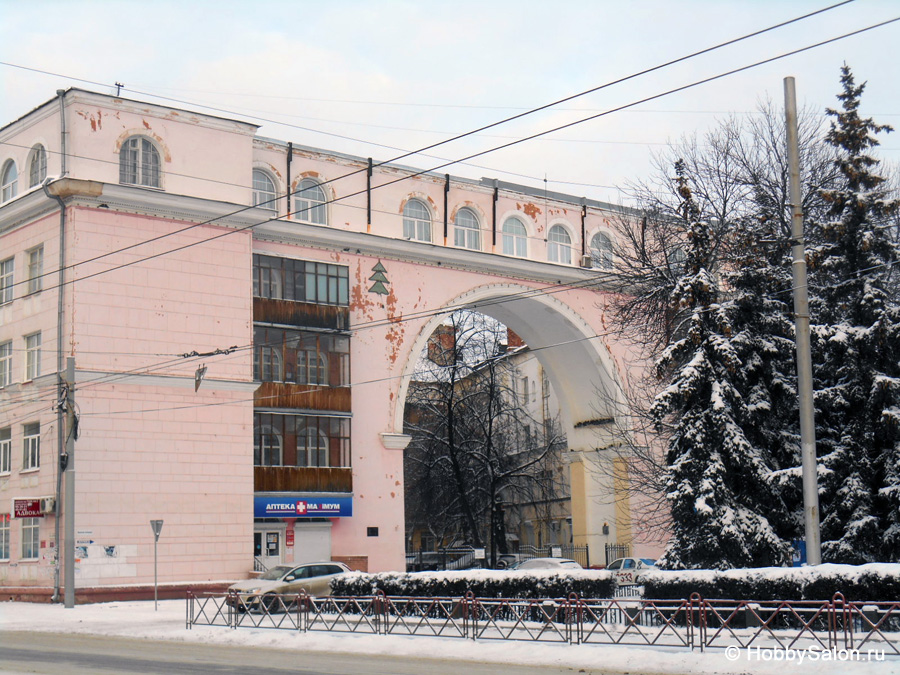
[382,76]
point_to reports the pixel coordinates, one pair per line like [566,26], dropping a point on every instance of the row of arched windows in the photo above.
[140,164]
[37,172]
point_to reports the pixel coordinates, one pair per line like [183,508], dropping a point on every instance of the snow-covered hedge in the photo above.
[873,582]
[483,583]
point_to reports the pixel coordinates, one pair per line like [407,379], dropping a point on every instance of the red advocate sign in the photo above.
[27,508]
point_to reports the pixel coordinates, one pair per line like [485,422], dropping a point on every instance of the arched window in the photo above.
[139,163]
[8,181]
[466,231]
[37,170]
[515,238]
[309,207]
[559,245]
[416,221]
[267,446]
[676,258]
[312,446]
[601,251]
[263,191]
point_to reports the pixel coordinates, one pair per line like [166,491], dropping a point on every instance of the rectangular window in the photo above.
[5,450]
[5,364]
[32,356]
[35,269]
[300,440]
[31,538]
[299,280]
[31,455]
[4,536]
[302,357]
[6,280]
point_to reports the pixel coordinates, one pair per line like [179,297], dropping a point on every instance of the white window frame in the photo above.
[467,230]
[4,536]
[265,194]
[7,280]
[31,538]
[268,432]
[5,451]
[309,202]
[559,247]
[140,163]
[32,356]
[31,446]
[35,268]
[6,362]
[515,243]
[9,181]
[416,221]
[602,251]
[37,166]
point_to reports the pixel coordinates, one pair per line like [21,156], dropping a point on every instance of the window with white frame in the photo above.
[602,251]
[31,456]
[416,221]
[5,450]
[6,363]
[35,258]
[32,356]
[267,446]
[31,538]
[139,163]
[6,280]
[515,238]
[309,205]
[37,168]
[9,181]
[559,245]
[264,191]
[4,536]
[466,230]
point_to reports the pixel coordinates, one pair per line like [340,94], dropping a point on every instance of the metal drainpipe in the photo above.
[583,230]
[446,200]
[290,158]
[494,215]
[60,309]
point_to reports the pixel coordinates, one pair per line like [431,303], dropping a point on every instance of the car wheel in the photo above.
[270,603]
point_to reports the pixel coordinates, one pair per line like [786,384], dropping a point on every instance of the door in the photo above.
[267,547]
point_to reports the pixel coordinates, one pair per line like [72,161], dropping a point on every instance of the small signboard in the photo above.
[27,508]
[556,552]
[289,537]
[157,528]
[479,554]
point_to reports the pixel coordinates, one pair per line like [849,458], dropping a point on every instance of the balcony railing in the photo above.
[302,479]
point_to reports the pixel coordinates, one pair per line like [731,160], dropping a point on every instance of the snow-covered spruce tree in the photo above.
[716,480]
[856,342]
[759,307]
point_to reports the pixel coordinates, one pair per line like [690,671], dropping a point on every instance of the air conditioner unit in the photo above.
[48,505]
[587,261]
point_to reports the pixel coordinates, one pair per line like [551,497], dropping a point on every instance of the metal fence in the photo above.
[616,551]
[692,623]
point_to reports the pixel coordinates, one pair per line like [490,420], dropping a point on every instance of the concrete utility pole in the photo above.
[69,507]
[801,323]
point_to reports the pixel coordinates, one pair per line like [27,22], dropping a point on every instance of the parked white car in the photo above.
[310,578]
[547,564]
[626,570]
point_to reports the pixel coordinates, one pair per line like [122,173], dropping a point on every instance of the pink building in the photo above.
[156,245]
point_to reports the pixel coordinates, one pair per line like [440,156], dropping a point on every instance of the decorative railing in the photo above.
[692,623]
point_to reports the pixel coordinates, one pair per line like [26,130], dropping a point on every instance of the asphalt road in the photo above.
[57,653]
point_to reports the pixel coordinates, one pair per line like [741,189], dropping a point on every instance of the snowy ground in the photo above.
[139,620]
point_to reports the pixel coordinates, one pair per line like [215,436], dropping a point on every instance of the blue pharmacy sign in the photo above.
[799,552]
[302,506]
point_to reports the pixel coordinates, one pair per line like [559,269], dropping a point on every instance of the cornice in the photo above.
[157,203]
[175,381]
